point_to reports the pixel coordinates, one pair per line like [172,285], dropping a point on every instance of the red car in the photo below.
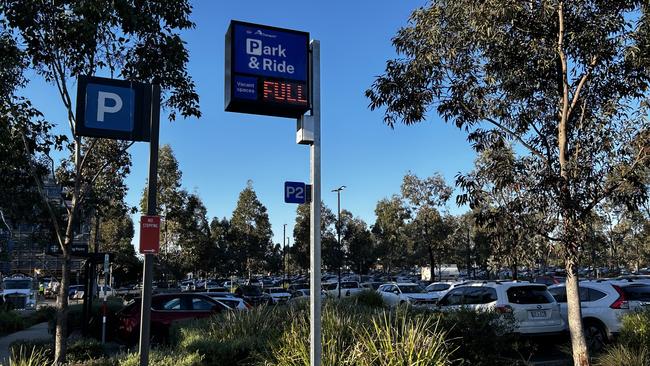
[165,310]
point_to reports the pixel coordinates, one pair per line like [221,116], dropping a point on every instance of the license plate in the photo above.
[538,314]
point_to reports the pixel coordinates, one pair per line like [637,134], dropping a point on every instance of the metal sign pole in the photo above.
[315,348]
[105,295]
[147,278]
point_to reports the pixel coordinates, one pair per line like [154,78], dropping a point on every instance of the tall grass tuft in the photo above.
[396,340]
[621,355]
[29,357]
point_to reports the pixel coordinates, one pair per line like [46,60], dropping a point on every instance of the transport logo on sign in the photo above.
[115,109]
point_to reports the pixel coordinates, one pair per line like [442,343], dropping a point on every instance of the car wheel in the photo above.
[595,336]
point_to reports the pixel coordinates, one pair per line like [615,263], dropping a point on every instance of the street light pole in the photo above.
[338,229]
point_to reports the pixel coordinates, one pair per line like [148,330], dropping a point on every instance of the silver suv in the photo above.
[603,304]
[532,306]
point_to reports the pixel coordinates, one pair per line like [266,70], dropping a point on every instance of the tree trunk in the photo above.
[578,343]
[432,259]
[61,335]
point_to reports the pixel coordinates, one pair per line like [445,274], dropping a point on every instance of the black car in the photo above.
[251,294]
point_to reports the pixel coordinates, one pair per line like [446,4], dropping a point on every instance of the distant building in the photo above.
[28,247]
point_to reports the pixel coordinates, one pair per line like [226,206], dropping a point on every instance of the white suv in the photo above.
[534,309]
[348,288]
[603,304]
[405,293]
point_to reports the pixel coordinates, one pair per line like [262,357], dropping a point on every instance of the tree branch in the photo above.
[506,130]
[582,82]
[41,192]
[100,171]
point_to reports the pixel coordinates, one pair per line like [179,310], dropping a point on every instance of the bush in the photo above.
[10,322]
[621,355]
[481,338]
[164,357]
[395,340]
[635,330]
[84,350]
[43,314]
[25,349]
[233,337]
[633,346]
[369,298]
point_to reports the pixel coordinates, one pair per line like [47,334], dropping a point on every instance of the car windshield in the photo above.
[329,286]
[17,285]
[277,290]
[529,295]
[411,289]
[349,285]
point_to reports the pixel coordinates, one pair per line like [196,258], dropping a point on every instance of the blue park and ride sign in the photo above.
[115,109]
[267,70]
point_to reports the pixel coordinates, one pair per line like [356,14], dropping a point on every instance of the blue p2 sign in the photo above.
[295,192]
[115,109]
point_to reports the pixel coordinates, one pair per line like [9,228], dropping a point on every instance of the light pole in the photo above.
[338,229]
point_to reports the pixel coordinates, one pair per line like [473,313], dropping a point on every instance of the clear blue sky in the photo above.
[221,151]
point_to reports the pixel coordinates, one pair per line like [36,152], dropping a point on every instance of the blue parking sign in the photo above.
[295,192]
[115,109]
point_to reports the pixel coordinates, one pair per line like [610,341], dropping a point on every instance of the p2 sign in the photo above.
[297,192]
[115,109]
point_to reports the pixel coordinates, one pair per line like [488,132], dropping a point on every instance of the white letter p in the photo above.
[103,108]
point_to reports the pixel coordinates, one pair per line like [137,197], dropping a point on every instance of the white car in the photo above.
[439,289]
[278,295]
[405,293]
[231,302]
[534,310]
[603,304]
[348,288]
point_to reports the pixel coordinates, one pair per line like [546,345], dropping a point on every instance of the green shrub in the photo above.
[481,338]
[43,314]
[621,355]
[164,357]
[234,337]
[369,298]
[635,330]
[84,350]
[10,322]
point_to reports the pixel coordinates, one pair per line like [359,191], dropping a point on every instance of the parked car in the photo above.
[371,285]
[439,289]
[405,293]
[165,310]
[277,295]
[534,310]
[603,304]
[550,280]
[230,300]
[251,294]
[187,286]
[348,288]
[76,292]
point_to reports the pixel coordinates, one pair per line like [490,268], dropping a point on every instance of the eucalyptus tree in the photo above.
[299,251]
[565,81]
[358,242]
[429,229]
[390,233]
[250,232]
[62,40]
